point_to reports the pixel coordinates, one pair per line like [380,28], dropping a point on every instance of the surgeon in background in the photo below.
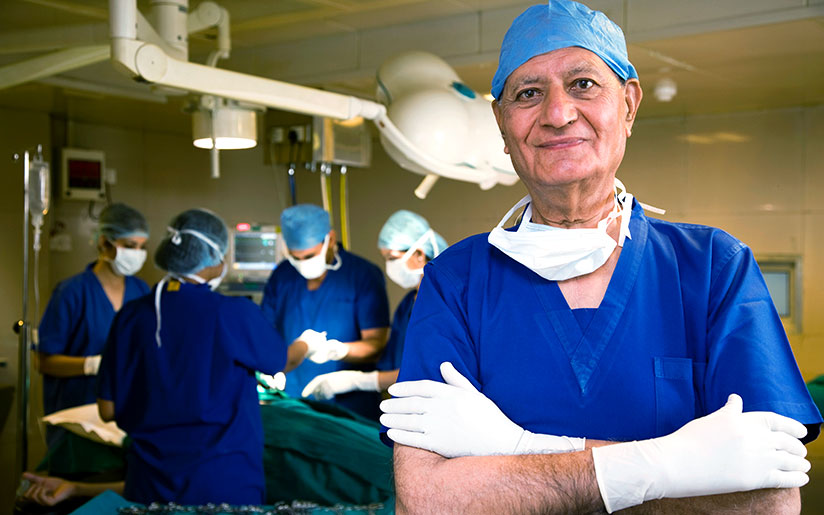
[408,243]
[77,319]
[331,300]
[178,376]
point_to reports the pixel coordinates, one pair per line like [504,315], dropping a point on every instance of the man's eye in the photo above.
[583,84]
[526,94]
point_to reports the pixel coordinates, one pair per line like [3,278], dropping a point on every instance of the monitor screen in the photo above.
[255,251]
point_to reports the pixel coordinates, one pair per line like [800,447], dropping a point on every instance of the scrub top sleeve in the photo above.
[256,343]
[373,304]
[748,350]
[267,303]
[57,322]
[438,331]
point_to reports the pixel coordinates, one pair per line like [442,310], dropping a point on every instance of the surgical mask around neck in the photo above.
[315,266]
[557,254]
[127,261]
[398,269]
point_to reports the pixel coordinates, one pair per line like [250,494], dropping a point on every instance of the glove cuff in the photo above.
[625,473]
[368,382]
[91,365]
[536,443]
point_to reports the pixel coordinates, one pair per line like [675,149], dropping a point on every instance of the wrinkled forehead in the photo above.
[562,64]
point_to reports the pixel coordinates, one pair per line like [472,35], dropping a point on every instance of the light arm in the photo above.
[369,347]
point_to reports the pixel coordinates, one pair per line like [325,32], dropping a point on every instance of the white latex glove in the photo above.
[91,365]
[723,452]
[329,350]
[273,382]
[326,386]
[313,339]
[454,419]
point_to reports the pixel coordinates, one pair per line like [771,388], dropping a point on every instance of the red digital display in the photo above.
[84,174]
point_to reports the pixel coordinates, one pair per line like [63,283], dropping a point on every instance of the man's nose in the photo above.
[558,109]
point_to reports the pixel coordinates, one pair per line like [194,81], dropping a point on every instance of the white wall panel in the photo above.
[751,162]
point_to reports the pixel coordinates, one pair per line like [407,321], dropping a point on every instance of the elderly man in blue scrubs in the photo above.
[178,375]
[81,309]
[591,358]
[329,299]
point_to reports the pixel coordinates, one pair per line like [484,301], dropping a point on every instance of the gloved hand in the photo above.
[329,350]
[455,419]
[313,339]
[91,365]
[723,452]
[326,386]
[273,382]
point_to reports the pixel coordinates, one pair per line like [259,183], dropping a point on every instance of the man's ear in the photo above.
[333,239]
[632,96]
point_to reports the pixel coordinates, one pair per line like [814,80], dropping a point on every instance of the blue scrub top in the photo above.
[686,321]
[391,357]
[190,405]
[76,323]
[349,300]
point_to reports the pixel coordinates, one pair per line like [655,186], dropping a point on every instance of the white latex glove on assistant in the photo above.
[723,452]
[273,382]
[326,386]
[455,419]
[329,350]
[91,365]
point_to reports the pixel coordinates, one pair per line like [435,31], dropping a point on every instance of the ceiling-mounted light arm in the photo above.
[149,63]
[207,15]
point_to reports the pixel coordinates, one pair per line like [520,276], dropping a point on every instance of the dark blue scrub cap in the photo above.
[303,226]
[182,252]
[403,229]
[561,24]
[121,221]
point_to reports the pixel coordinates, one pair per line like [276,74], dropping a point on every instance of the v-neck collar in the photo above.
[585,348]
[102,290]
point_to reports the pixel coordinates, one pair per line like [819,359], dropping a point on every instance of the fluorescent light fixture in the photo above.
[231,125]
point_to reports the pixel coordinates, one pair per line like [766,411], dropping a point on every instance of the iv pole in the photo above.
[21,327]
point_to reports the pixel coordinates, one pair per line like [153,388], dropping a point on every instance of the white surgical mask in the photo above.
[315,266]
[558,254]
[398,270]
[128,261]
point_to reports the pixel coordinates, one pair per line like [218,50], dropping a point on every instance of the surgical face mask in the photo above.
[558,254]
[399,272]
[398,269]
[128,261]
[213,282]
[315,266]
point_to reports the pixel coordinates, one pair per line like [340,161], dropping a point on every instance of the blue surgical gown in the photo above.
[686,320]
[190,405]
[391,357]
[349,300]
[76,323]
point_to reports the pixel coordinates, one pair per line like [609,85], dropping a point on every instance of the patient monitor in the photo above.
[254,251]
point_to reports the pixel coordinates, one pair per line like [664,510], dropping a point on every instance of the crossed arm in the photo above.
[426,482]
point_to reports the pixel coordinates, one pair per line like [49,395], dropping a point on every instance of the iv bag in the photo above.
[39,189]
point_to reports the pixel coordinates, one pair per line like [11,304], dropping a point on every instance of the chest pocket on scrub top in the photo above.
[674,393]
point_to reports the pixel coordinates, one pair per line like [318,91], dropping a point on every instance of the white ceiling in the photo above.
[724,56]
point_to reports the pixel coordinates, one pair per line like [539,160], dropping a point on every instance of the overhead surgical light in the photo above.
[225,122]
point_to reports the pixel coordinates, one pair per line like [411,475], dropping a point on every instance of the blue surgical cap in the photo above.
[403,229]
[121,221]
[182,252]
[561,24]
[303,226]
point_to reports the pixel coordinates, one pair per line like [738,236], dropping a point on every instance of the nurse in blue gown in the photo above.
[80,311]
[178,375]
[329,299]
[407,243]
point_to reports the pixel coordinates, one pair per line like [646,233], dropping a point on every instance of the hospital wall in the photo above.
[759,175]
